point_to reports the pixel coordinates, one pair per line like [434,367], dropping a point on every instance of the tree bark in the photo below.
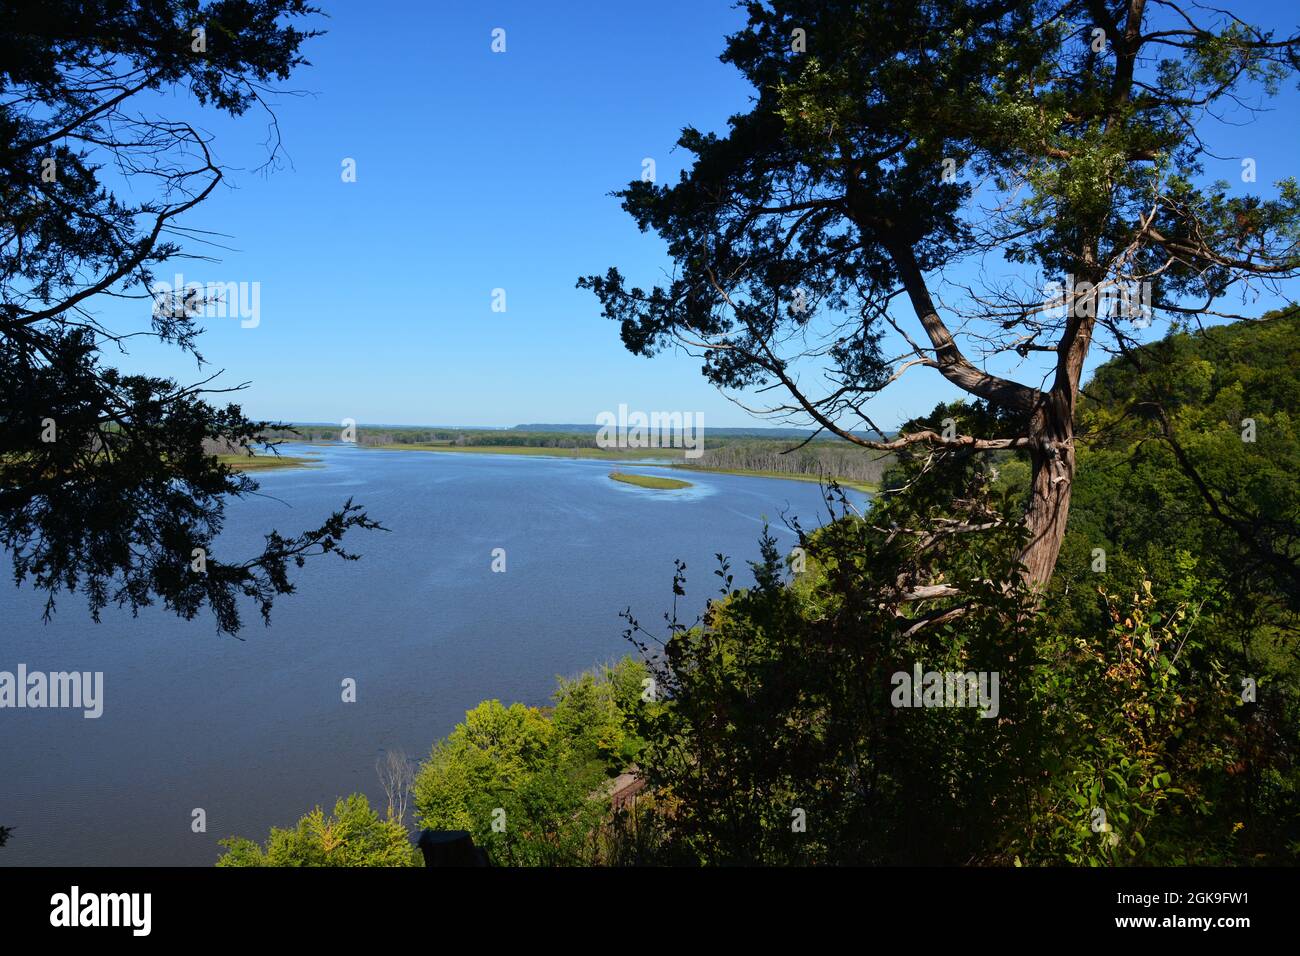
[1051,454]
[1051,433]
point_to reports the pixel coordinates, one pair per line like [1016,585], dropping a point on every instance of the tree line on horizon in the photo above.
[823,458]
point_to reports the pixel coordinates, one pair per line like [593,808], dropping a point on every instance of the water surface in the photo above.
[254,730]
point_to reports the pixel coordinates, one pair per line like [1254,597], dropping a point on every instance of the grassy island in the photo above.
[649,481]
[267,462]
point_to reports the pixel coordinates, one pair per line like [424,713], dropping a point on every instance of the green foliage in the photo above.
[1125,745]
[1195,438]
[532,786]
[353,835]
[493,751]
[1127,733]
[779,709]
[1170,492]
[1125,730]
[1138,727]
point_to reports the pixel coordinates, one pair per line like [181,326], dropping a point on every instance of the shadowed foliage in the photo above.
[107,481]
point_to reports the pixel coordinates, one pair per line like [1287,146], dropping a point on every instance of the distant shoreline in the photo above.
[662,457]
[539,451]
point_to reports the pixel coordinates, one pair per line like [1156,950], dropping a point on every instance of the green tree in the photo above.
[777,742]
[532,787]
[591,715]
[1149,705]
[1189,482]
[487,756]
[353,835]
[891,142]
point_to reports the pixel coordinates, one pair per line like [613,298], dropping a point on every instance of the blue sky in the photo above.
[478,171]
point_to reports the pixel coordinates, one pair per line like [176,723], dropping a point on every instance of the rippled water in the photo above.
[254,731]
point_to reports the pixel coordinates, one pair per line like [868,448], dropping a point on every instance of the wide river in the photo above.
[254,730]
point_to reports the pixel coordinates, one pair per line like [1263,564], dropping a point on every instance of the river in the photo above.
[254,731]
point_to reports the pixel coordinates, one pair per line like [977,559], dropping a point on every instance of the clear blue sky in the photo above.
[476,171]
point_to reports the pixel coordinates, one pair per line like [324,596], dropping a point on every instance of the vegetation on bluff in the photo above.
[532,784]
[1150,700]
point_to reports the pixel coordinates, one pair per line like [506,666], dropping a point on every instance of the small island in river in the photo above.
[649,481]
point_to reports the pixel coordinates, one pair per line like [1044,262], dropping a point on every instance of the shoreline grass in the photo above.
[650,481]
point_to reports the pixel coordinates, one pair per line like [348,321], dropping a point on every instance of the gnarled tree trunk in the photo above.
[1051,453]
